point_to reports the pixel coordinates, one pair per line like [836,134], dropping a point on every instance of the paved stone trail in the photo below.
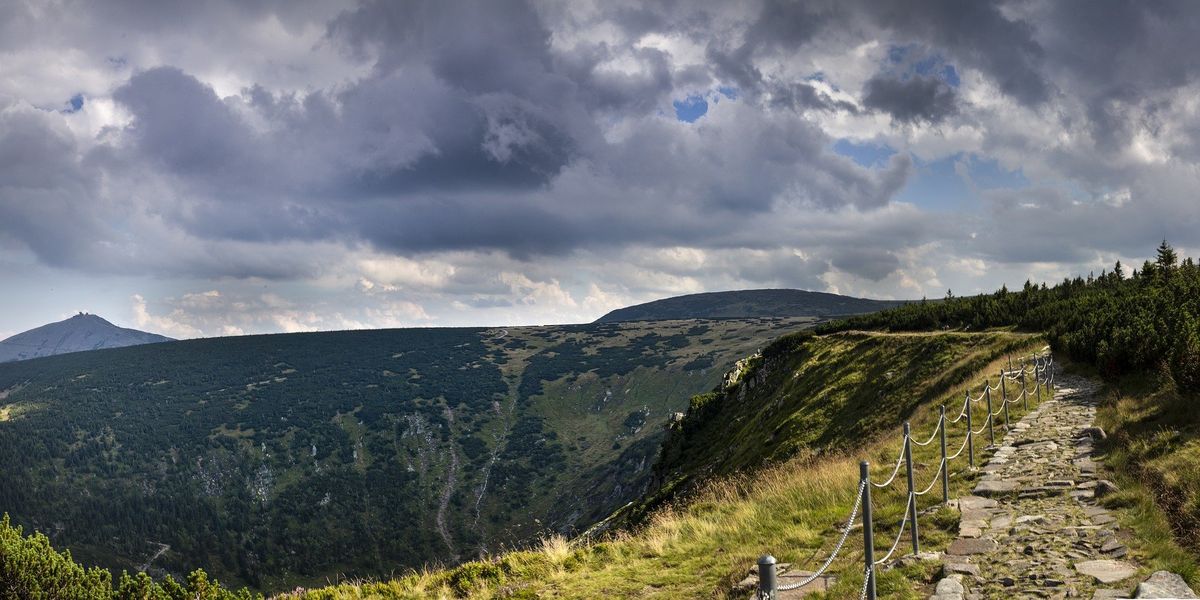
[1033,528]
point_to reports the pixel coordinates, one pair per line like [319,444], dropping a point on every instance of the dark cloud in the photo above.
[46,196]
[181,122]
[541,132]
[869,263]
[976,34]
[914,99]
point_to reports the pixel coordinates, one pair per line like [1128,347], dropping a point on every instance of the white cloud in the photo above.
[165,324]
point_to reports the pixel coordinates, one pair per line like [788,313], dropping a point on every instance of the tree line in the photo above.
[1120,322]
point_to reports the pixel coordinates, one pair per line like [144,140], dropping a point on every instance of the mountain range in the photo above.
[81,332]
[742,304]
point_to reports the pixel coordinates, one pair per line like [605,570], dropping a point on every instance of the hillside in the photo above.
[740,474]
[280,460]
[748,303]
[766,461]
[76,334]
[699,548]
[1139,329]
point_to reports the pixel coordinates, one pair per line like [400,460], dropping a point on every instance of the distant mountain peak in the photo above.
[82,331]
[740,304]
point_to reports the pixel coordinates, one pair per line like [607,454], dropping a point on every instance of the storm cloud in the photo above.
[522,148]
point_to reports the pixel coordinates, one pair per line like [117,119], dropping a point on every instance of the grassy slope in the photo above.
[1153,454]
[747,304]
[372,406]
[818,390]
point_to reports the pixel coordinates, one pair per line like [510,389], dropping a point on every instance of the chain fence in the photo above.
[1038,365]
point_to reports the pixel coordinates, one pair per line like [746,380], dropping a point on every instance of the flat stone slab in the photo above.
[975,503]
[962,568]
[1164,584]
[995,488]
[966,546]
[1106,570]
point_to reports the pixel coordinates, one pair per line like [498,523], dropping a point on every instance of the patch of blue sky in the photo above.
[938,185]
[931,65]
[75,104]
[729,92]
[866,154]
[897,54]
[691,108]
[988,173]
[936,66]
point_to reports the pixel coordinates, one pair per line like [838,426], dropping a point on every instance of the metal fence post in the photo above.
[987,393]
[864,473]
[1038,369]
[912,498]
[945,479]
[1004,397]
[970,435]
[1024,390]
[766,577]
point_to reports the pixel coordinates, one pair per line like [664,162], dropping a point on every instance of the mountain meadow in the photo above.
[764,458]
[282,460]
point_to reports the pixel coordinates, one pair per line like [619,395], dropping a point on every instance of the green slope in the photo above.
[766,464]
[281,460]
[741,304]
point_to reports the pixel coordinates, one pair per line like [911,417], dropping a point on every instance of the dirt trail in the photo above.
[162,549]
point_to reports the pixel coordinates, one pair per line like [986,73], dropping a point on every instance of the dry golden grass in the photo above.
[699,549]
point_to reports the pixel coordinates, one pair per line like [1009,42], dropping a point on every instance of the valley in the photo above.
[283,460]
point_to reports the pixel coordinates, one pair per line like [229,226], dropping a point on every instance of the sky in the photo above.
[225,167]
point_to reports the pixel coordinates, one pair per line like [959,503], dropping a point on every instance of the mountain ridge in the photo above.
[81,332]
[741,304]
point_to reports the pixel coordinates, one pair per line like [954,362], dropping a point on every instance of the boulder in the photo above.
[1164,584]
[1105,487]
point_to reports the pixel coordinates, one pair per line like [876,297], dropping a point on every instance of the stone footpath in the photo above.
[1033,527]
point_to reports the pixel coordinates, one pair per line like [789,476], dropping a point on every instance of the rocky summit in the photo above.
[81,332]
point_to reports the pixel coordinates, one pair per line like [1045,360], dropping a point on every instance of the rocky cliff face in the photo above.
[81,332]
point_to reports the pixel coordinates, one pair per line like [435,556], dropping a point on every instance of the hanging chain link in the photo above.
[836,549]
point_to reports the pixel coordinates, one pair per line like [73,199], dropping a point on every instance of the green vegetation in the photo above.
[30,568]
[816,395]
[1153,452]
[764,462]
[792,507]
[1118,323]
[1141,332]
[284,460]
[742,304]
